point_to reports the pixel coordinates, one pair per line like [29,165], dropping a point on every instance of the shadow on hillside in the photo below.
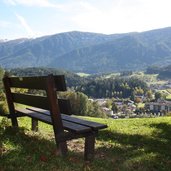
[154,150]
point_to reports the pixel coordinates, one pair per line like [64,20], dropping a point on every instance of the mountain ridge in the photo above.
[90,52]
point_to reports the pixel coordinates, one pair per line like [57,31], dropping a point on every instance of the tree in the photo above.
[114,107]
[3,104]
[1,76]
[96,111]
[109,103]
[149,94]
[138,100]
[2,95]
[138,91]
[81,105]
[158,95]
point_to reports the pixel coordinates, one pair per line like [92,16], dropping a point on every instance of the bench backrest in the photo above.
[51,84]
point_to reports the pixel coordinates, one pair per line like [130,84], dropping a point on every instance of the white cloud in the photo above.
[25,25]
[123,16]
[38,3]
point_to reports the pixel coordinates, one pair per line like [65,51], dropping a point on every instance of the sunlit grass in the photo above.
[126,145]
[81,74]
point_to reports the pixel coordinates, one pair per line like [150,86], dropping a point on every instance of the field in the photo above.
[126,145]
[167,92]
[81,74]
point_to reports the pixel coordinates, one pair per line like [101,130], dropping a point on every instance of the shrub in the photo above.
[3,107]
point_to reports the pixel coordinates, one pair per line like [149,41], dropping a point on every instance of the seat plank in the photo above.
[47,119]
[93,125]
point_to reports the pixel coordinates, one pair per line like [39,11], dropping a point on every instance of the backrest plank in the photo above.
[31,100]
[64,106]
[41,102]
[38,83]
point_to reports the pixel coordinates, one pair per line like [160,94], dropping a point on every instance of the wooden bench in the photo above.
[51,110]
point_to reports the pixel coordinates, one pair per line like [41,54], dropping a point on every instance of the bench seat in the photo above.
[93,125]
[70,123]
[70,126]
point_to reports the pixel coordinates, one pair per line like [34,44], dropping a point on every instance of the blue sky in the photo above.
[35,18]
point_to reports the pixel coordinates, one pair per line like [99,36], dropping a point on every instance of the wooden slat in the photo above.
[64,106]
[38,83]
[47,119]
[60,83]
[93,125]
[30,100]
[41,102]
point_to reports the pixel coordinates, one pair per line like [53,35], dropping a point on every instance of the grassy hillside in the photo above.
[126,145]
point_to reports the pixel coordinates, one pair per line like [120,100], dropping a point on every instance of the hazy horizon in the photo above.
[78,31]
[36,18]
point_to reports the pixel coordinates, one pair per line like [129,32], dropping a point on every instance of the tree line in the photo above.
[113,87]
[93,86]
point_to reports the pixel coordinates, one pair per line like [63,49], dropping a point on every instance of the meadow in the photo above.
[126,145]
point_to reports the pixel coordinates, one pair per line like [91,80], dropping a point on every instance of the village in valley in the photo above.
[155,103]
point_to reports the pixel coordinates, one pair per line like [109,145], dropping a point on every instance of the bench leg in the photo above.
[63,148]
[89,147]
[14,121]
[34,124]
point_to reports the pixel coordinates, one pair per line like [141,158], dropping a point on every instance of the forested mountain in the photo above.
[90,52]
[163,72]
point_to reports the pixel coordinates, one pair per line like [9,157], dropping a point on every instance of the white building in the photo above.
[159,106]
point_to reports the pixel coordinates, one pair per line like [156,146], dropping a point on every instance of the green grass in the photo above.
[81,74]
[111,75]
[126,145]
[141,105]
[168,97]
[169,90]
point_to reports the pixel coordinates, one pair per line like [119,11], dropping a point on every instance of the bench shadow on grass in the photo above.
[20,150]
[146,152]
[118,151]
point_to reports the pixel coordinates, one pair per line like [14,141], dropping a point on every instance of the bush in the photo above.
[168,114]
[81,105]
[3,108]
[4,123]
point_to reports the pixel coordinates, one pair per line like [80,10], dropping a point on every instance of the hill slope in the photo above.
[90,52]
[126,145]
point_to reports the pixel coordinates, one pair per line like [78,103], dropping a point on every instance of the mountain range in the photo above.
[89,52]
